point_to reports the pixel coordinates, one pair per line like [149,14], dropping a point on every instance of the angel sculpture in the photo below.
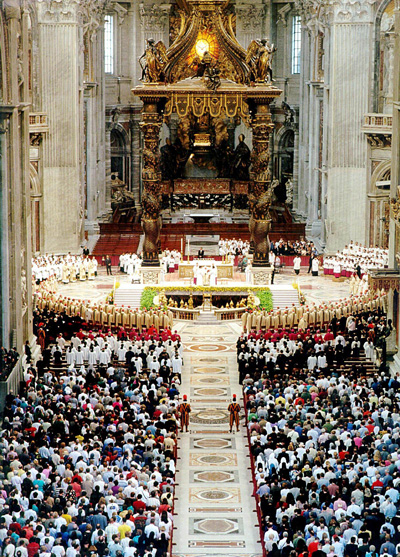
[153,61]
[259,59]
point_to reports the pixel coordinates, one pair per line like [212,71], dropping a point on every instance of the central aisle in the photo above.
[216,514]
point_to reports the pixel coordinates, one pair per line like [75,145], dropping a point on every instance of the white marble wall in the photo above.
[61,100]
[349,89]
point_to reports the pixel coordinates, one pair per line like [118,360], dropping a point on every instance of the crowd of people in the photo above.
[89,448]
[64,268]
[170,260]
[355,258]
[310,315]
[295,247]
[233,247]
[8,359]
[130,263]
[324,439]
[206,275]
[102,315]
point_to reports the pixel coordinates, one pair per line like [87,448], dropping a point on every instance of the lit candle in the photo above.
[188,249]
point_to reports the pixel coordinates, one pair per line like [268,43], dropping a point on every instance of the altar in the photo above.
[224,270]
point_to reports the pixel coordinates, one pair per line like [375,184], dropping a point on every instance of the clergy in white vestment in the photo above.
[213,275]
[200,277]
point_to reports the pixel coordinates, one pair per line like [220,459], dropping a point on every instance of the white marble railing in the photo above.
[38,122]
[377,123]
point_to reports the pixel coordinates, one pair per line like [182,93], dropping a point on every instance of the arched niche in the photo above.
[119,141]
[36,196]
[285,155]
[379,205]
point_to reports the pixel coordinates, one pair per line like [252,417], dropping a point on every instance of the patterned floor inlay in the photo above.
[215,555]
[209,360]
[212,443]
[213,459]
[216,543]
[222,526]
[207,338]
[210,370]
[209,416]
[214,506]
[207,347]
[207,510]
[209,380]
[211,432]
[228,494]
[210,392]
[214,476]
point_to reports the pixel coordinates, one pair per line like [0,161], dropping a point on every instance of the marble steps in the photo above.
[283,297]
[207,318]
[128,295]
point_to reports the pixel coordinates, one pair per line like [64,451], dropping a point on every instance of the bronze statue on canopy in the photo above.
[259,59]
[153,62]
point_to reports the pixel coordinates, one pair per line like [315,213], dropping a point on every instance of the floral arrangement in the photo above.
[265,297]
[147,298]
[150,292]
[194,288]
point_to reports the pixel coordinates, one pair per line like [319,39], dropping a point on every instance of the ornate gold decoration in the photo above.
[395,209]
[216,185]
[153,61]
[259,59]
[226,82]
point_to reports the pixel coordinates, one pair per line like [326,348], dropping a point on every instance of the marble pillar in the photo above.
[95,132]
[302,202]
[5,323]
[154,22]
[15,283]
[394,225]
[63,200]
[349,74]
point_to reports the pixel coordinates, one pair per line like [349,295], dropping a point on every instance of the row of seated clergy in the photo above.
[107,314]
[308,316]
[71,273]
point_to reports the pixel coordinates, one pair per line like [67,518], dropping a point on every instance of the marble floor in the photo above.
[316,289]
[215,513]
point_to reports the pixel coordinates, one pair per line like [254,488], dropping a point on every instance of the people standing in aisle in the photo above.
[107,262]
[184,412]
[297,264]
[234,410]
[315,266]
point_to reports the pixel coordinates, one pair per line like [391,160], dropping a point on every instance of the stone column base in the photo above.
[150,275]
[262,275]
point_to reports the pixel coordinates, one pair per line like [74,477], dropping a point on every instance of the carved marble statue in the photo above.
[259,59]
[289,192]
[241,160]
[153,61]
